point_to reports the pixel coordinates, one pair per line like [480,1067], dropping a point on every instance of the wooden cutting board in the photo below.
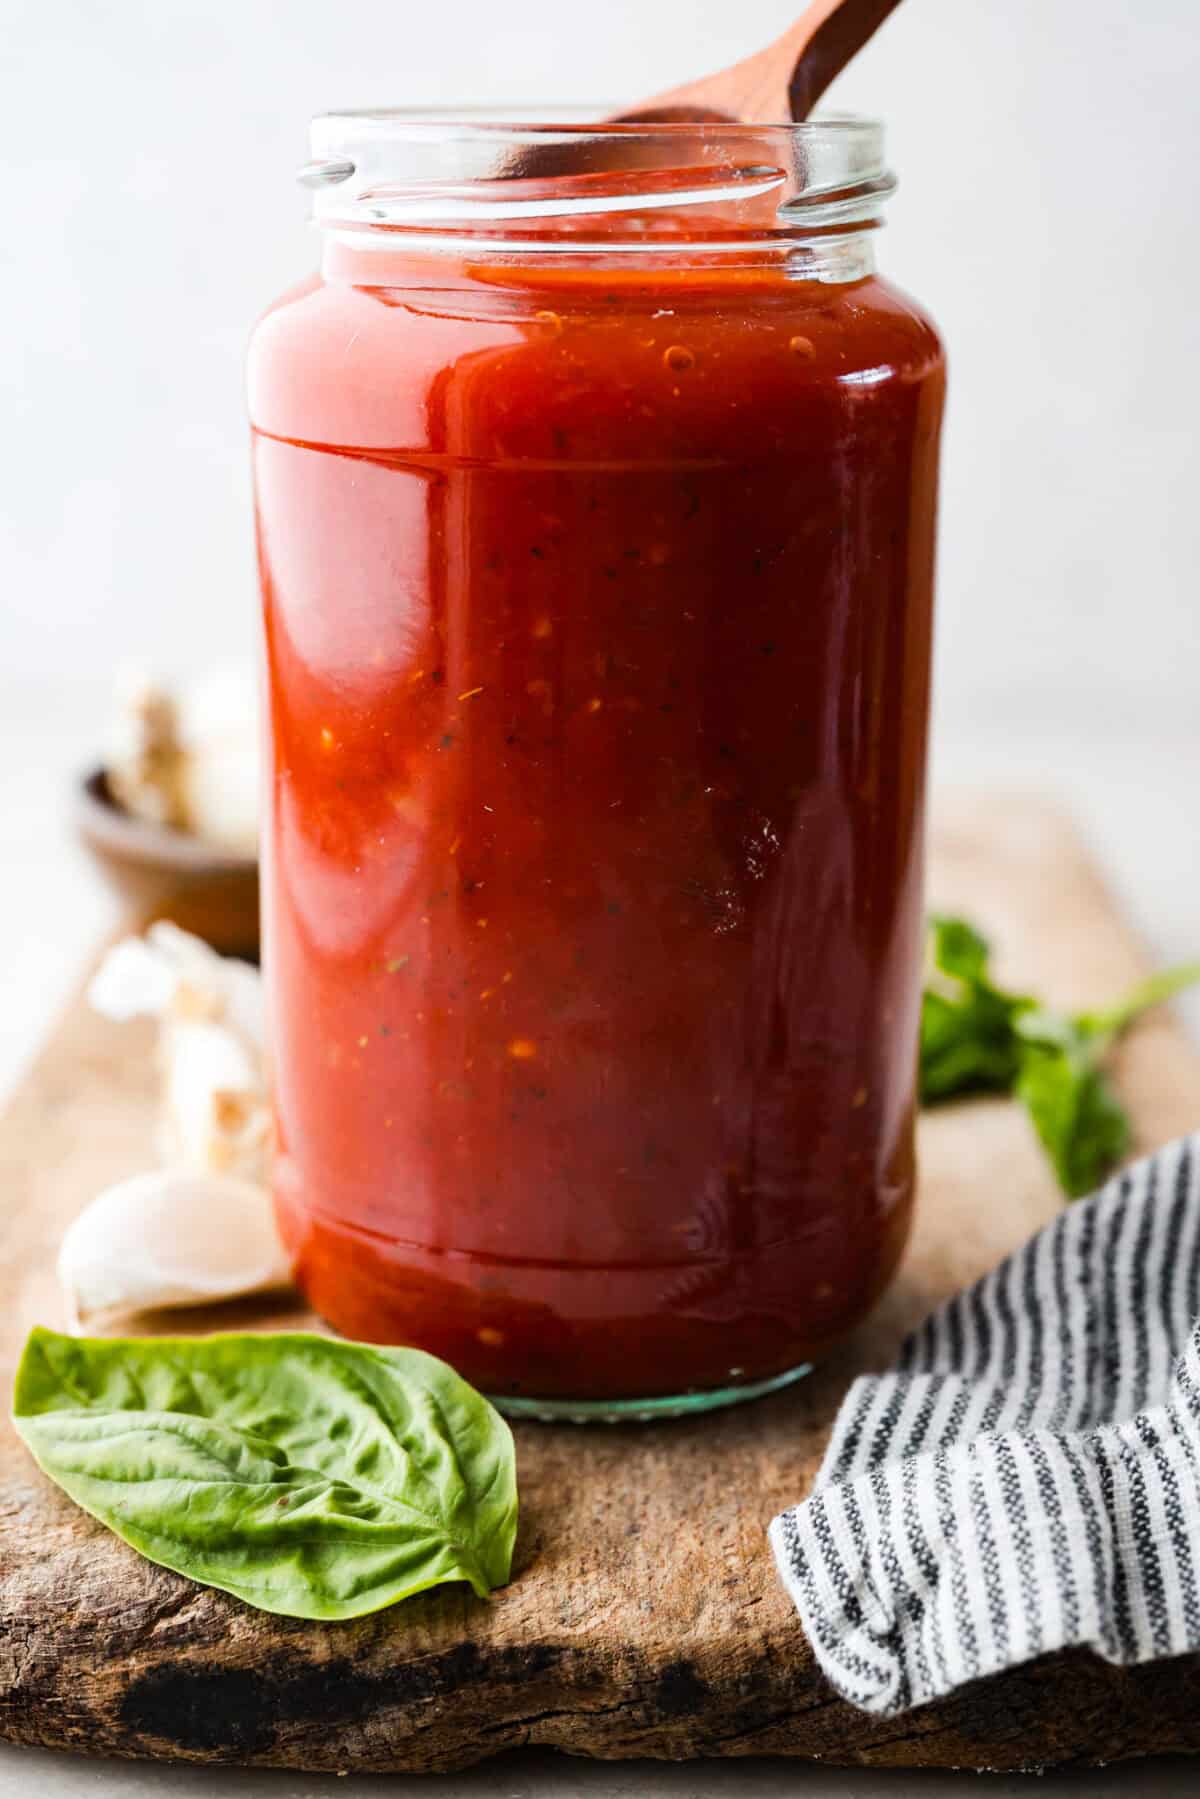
[644,1617]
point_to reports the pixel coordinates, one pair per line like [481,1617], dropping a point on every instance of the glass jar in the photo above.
[596,479]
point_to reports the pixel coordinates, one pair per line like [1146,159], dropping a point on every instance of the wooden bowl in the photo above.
[162,873]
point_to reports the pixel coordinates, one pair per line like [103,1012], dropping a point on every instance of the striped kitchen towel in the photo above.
[1028,1475]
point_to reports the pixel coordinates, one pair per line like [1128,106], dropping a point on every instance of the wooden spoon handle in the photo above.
[828,35]
[783,81]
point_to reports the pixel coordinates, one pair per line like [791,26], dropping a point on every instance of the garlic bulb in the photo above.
[201,1229]
[219,762]
[189,758]
[143,756]
[170,1238]
[216,1116]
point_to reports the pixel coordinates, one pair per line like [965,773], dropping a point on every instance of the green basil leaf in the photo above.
[306,1475]
[975,1037]
[967,1045]
[1082,1125]
[968,1037]
[957,948]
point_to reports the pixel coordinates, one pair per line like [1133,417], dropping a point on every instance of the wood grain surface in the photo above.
[644,1617]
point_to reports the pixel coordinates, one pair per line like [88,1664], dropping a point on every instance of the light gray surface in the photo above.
[36,1774]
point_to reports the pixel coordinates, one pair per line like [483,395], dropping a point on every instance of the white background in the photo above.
[1049,155]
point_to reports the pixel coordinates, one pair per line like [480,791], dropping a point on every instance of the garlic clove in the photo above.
[215,1110]
[171,1238]
[216,1116]
[208,984]
[133,981]
[169,970]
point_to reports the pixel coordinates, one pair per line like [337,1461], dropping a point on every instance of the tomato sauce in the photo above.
[597,621]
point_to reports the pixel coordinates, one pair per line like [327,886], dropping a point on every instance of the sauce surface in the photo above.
[597,614]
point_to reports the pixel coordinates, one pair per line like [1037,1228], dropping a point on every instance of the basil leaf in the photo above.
[957,948]
[1082,1125]
[306,1475]
[967,1046]
[968,1039]
[975,1037]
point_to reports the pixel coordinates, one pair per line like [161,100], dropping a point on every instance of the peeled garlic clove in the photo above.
[171,1238]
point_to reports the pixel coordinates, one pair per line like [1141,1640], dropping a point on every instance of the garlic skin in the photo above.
[215,1111]
[170,1238]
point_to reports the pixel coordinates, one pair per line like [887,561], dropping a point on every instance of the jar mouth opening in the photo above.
[474,169]
[541,121]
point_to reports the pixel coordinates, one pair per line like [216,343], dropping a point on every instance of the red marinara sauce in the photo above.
[597,618]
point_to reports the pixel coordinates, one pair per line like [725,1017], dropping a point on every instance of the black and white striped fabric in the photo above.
[1028,1475]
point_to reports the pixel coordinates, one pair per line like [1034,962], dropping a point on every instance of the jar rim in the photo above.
[573,118]
[453,169]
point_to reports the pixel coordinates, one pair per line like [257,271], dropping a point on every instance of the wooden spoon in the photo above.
[782,82]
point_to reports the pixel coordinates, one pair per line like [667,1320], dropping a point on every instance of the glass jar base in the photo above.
[642,1411]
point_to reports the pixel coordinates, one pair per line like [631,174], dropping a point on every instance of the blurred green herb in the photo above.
[978,1038]
[969,1042]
